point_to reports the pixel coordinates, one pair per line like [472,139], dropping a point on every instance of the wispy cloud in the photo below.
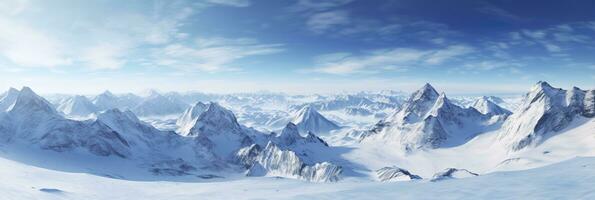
[501,13]
[104,56]
[315,6]
[212,54]
[26,46]
[236,3]
[321,22]
[385,60]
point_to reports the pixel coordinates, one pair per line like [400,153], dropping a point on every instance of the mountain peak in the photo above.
[485,106]
[427,92]
[542,85]
[308,119]
[28,101]
[290,134]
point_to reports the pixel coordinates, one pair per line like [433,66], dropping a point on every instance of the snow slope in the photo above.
[572,179]
[429,120]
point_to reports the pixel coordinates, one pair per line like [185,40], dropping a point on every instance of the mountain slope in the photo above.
[429,120]
[544,111]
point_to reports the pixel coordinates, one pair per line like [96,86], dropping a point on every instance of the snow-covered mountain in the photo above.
[8,98]
[545,110]
[107,100]
[157,104]
[428,119]
[32,119]
[288,154]
[308,119]
[218,130]
[210,141]
[189,117]
[485,106]
[77,106]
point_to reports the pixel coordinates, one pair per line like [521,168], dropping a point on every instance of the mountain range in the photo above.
[211,141]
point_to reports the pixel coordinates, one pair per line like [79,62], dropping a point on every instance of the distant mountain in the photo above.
[77,105]
[8,98]
[485,106]
[308,119]
[32,119]
[544,111]
[157,104]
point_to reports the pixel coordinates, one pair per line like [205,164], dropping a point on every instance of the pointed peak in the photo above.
[27,90]
[29,100]
[290,127]
[427,86]
[425,92]
[541,85]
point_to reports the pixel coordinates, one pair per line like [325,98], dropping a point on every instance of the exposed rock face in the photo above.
[544,111]
[273,161]
[451,173]
[391,174]
[430,120]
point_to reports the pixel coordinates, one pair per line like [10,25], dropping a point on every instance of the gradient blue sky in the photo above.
[296,46]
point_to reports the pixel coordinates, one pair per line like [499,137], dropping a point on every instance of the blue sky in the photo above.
[296,46]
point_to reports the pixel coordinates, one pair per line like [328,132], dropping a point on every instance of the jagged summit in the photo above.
[8,98]
[426,92]
[429,119]
[28,102]
[308,119]
[218,130]
[189,117]
[289,135]
[544,110]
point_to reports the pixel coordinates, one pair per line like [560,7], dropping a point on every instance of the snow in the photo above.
[308,119]
[572,179]
[207,151]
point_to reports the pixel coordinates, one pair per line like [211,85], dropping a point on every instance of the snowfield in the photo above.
[274,146]
[572,179]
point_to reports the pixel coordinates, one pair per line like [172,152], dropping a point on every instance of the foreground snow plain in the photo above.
[572,179]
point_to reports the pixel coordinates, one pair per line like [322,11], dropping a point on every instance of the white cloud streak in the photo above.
[386,60]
